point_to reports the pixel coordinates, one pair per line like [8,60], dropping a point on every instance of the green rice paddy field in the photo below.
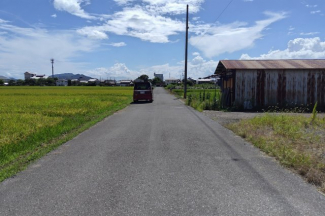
[36,120]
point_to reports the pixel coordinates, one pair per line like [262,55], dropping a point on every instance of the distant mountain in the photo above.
[6,78]
[70,76]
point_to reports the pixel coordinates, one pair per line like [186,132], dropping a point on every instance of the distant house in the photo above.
[204,81]
[83,81]
[62,82]
[74,81]
[171,81]
[39,77]
[29,75]
[94,81]
[160,76]
[126,83]
[110,82]
[192,80]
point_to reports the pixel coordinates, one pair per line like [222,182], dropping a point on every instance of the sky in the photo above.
[123,39]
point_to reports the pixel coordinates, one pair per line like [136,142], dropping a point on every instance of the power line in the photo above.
[223,10]
[218,17]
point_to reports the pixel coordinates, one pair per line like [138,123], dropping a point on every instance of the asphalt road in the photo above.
[160,158]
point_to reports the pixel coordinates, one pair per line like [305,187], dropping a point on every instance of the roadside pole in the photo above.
[186,44]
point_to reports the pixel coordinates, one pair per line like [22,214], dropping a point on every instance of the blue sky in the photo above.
[123,39]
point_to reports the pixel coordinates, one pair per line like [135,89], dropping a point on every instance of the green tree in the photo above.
[156,81]
[1,82]
[20,82]
[41,82]
[30,82]
[12,83]
[50,82]
[189,82]
[144,77]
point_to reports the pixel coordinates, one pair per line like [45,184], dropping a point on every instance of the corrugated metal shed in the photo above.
[264,83]
[272,64]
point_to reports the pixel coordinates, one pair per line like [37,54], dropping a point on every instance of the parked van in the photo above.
[142,91]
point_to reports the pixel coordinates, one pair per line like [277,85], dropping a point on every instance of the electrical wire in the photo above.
[217,18]
[223,10]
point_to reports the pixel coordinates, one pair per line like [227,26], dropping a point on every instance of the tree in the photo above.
[189,82]
[41,82]
[30,82]
[1,82]
[156,81]
[12,83]
[50,81]
[144,77]
[20,82]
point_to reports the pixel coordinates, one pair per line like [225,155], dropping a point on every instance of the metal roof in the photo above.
[271,64]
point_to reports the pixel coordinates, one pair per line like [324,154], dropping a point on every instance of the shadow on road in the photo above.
[141,102]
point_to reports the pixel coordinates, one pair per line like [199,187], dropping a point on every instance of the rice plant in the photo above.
[34,120]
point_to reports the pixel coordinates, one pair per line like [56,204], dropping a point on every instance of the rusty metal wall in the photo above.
[265,88]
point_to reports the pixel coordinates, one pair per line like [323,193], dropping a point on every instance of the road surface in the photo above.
[160,158]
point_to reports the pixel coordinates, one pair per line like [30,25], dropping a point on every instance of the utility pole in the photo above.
[186,44]
[52,61]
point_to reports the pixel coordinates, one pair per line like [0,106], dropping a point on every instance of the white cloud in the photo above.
[120,44]
[197,60]
[146,21]
[173,6]
[197,67]
[123,2]
[28,49]
[139,23]
[214,40]
[54,15]
[315,12]
[299,48]
[3,21]
[93,32]
[73,7]
[311,6]
[309,33]
[118,71]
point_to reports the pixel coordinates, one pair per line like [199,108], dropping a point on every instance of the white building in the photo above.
[62,82]
[202,81]
[94,80]
[29,75]
[126,83]
[171,81]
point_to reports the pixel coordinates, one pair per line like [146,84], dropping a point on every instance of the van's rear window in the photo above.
[141,86]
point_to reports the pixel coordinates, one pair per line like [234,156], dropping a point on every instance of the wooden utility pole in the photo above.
[186,44]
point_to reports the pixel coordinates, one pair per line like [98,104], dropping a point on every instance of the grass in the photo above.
[36,120]
[201,99]
[296,141]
